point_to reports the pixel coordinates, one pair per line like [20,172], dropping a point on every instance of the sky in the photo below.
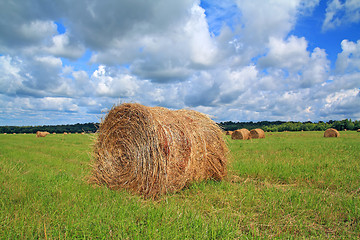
[67,62]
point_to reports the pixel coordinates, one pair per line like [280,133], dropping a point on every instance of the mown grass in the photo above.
[288,185]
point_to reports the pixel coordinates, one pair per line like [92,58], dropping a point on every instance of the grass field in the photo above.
[293,185]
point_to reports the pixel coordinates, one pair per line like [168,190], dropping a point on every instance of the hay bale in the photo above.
[41,134]
[257,133]
[65,133]
[153,150]
[331,132]
[242,134]
[358,130]
[229,132]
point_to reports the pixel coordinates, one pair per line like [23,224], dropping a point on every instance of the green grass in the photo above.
[295,185]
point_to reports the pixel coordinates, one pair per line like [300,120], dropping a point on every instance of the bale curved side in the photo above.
[242,134]
[153,150]
[257,133]
[331,132]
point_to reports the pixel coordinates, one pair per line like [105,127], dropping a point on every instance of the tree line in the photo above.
[268,126]
[281,126]
[70,128]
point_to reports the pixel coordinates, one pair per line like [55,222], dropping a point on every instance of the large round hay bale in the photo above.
[257,133]
[242,134]
[331,132]
[154,150]
[358,130]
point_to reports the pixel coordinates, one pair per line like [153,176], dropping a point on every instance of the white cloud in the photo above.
[341,12]
[202,47]
[290,60]
[263,19]
[307,7]
[56,104]
[343,103]
[62,46]
[168,56]
[236,82]
[10,76]
[290,54]
[349,59]
[317,69]
[113,84]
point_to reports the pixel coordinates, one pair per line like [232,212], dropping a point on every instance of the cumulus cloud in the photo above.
[349,59]
[167,56]
[111,84]
[317,70]
[291,54]
[302,68]
[236,82]
[343,103]
[63,46]
[10,77]
[259,24]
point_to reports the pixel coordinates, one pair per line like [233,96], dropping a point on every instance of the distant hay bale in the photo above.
[82,133]
[154,150]
[54,133]
[257,133]
[242,134]
[358,130]
[5,133]
[65,133]
[331,132]
[41,134]
[229,132]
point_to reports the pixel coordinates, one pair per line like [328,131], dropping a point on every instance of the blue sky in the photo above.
[66,62]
